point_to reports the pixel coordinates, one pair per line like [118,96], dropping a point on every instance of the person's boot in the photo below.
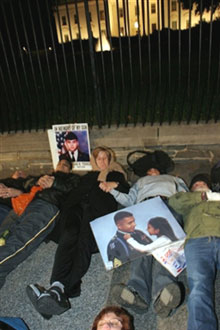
[168,300]
[126,297]
[33,292]
[53,301]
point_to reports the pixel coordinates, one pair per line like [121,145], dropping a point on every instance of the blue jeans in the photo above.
[202,258]
[148,278]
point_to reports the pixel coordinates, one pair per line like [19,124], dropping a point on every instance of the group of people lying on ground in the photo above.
[65,205]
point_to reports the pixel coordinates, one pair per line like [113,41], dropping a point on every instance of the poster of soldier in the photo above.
[70,141]
[140,229]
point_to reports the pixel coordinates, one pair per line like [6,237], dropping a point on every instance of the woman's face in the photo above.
[151,230]
[102,160]
[110,321]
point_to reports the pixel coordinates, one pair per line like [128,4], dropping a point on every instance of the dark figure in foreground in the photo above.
[31,228]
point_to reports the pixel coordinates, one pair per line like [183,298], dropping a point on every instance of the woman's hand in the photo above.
[108,186]
[127,236]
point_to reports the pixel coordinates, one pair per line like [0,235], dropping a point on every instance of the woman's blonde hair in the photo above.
[109,153]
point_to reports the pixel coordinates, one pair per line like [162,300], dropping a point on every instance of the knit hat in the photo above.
[158,159]
[201,177]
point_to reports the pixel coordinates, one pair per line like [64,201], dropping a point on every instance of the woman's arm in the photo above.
[159,242]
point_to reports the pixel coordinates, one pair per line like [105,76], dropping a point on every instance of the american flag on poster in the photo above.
[60,138]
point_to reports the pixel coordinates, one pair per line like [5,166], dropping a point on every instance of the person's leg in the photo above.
[140,279]
[65,284]
[31,229]
[4,210]
[137,293]
[78,259]
[66,250]
[166,293]
[201,271]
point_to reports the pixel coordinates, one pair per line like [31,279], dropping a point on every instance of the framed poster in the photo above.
[71,141]
[140,229]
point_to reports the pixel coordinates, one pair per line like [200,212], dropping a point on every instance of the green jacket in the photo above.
[201,218]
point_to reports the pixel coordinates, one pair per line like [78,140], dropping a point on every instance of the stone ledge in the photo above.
[185,143]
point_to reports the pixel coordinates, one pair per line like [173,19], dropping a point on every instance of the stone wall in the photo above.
[194,148]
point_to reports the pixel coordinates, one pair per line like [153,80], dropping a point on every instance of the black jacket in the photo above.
[58,193]
[88,192]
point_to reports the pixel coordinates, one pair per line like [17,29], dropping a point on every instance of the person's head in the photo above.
[64,165]
[125,221]
[157,160]
[114,318]
[19,174]
[102,157]
[159,226]
[153,171]
[71,142]
[200,182]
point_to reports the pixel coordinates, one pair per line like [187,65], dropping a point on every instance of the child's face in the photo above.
[151,230]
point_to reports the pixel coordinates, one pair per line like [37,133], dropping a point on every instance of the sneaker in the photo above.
[53,301]
[33,292]
[128,298]
[169,299]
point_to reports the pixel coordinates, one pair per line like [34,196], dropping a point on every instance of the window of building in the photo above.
[121,14]
[102,15]
[174,25]
[154,27]
[63,18]
[76,20]
[153,8]
[173,5]
[66,38]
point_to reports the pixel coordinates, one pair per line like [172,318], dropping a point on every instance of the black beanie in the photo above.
[158,159]
[201,177]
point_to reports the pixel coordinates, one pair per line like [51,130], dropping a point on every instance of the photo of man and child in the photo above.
[134,231]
